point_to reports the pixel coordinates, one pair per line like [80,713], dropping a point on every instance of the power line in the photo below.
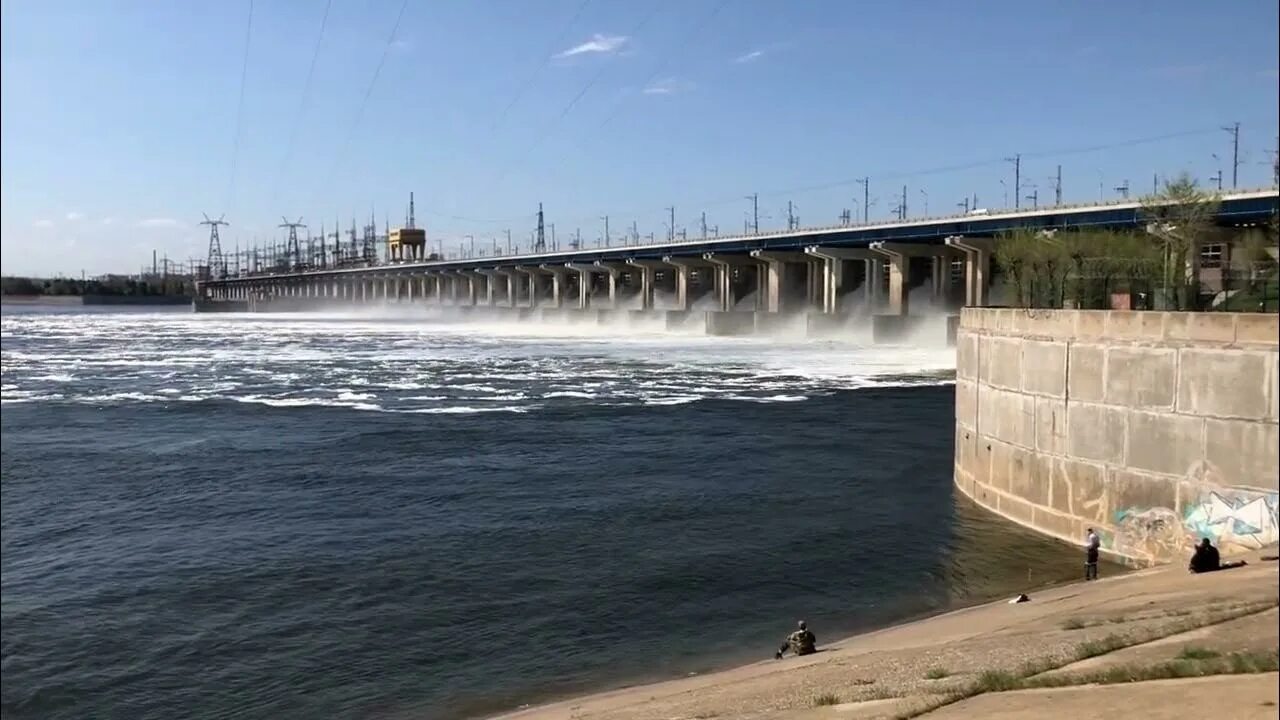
[302,104]
[373,81]
[992,162]
[550,128]
[1121,144]
[668,56]
[244,74]
[546,60]
[940,170]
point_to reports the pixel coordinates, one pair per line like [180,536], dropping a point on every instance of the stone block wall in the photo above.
[1154,428]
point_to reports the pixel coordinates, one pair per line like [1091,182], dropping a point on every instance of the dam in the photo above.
[881,275]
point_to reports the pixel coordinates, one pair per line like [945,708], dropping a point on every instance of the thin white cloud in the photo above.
[753,55]
[668,86]
[402,45]
[159,222]
[108,220]
[42,224]
[601,44]
[74,216]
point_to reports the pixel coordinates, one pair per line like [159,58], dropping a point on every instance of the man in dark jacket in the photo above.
[1205,558]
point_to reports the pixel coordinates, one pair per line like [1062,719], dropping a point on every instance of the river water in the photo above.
[396,516]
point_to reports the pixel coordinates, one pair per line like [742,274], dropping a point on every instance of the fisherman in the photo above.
[800,642]
[1091,544]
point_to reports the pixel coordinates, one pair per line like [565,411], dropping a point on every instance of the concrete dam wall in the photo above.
[1154,428]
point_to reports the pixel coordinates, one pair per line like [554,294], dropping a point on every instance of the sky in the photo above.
[123,121]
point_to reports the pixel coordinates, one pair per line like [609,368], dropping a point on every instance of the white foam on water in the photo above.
[339,359]
[672,400]
[55,377]
[463,410]
[569,394]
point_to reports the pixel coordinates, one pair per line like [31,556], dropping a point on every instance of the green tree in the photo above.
[1181,218]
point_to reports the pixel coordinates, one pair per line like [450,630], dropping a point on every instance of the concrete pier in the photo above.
[824,325]
[720,323]
[773,323]
[890,329]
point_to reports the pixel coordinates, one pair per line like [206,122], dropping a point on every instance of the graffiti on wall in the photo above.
[1235,520]
[1153,533]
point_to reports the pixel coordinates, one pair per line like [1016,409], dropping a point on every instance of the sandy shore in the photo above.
[908,668]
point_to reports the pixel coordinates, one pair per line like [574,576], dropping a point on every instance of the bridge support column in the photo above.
[899,274]
[472,290]
[533,273]
[558,284]
[873,290]
[490,286]
[941,279]
[813,284]
[455,288]
[511,277]
[585,278]
[776,288]
[977,267]
[832,273]
[725,265]
[647,270]
[684,267]
[614,271]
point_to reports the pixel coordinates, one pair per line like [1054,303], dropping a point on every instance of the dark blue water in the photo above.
[257,518]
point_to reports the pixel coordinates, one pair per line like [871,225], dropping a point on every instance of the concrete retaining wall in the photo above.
[1154,428]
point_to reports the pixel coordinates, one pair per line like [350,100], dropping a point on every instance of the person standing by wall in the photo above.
[1091,544]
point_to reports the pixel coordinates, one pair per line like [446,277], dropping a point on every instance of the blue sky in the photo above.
[120,117]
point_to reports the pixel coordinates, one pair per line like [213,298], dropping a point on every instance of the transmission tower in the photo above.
[215,260]
[293,252]
[370,241]
[351,235]
[540,238]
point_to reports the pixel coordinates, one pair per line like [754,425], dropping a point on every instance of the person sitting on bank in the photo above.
[1206,559]
[800,642]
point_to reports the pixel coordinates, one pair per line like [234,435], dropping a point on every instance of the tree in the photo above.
[1015,253]
[1181,218]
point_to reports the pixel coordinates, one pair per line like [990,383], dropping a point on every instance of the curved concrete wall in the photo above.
[1154,428]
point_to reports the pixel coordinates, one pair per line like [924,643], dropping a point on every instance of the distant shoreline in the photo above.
[78,300]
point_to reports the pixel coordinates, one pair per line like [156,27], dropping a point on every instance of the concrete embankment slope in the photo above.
[1138,621]
[1156,428]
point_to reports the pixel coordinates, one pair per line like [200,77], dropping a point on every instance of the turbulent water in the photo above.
[399,516]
